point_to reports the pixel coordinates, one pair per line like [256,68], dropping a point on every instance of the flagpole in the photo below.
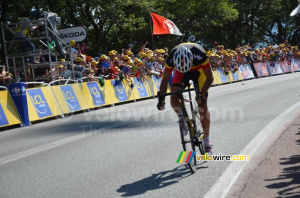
[151,30]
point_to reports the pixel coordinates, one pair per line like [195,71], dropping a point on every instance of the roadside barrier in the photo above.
[8,113]
[21,105]
[70,98]
[42,102]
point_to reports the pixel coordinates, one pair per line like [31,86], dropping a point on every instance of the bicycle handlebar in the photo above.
[179,91]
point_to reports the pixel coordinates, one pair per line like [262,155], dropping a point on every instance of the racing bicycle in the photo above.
[193,139]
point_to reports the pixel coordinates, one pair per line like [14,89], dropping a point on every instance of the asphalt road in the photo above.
[131,149]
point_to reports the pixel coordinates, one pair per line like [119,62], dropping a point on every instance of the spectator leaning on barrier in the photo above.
[74,51]
[115,68]
[104,67]
[112,55]
[68,73]
[79,69]
[94,66]
[135,66]
[57,71]
[159,67]
[130,55]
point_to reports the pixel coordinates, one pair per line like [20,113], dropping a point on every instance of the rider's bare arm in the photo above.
[164,82]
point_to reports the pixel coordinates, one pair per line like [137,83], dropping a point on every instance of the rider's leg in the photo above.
[204,115]
[175,103]
[176,85]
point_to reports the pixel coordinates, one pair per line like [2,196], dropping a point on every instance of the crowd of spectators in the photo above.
[114,65]
[125,64]
[230,59]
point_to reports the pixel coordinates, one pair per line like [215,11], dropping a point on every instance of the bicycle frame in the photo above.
[190,122]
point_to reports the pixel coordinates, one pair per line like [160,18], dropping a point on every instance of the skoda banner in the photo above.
[96,94]
[77,34]
[18,94]
[39,103]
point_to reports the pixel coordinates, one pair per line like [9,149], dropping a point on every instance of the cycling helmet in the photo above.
[183,59]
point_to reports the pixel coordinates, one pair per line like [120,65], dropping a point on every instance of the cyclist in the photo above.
[190,63]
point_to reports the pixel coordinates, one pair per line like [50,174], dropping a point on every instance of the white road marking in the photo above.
[35,150]
[276,127]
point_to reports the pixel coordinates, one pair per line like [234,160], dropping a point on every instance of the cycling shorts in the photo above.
[182,79]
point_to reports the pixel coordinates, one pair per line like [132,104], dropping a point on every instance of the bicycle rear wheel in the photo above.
[188,145]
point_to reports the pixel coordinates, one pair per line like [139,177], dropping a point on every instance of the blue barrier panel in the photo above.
[222,75]
[39,103]
[96,93]
[18,94]
[70,98]
[157,82]
[235,76]
[142,92]
[119,89]
[3,119]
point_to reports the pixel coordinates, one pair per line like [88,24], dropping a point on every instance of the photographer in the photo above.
[22,32]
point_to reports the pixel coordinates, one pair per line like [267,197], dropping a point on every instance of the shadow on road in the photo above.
[156,181]
[288,182]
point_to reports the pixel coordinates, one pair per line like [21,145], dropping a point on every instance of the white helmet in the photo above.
[183,59]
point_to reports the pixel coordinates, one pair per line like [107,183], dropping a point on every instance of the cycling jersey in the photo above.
[200,60]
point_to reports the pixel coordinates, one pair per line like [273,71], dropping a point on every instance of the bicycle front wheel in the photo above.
[199,134]
[188,145]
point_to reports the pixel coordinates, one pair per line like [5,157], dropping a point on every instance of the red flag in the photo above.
[162,25]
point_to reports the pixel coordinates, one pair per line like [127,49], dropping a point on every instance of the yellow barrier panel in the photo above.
[139,89]
[230,76]
[129,91]
[150,86]
[116,91]
[95,95]
[236,76]
[8,112]
[69,98]
[217,80]
[41,103]
[239,75]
